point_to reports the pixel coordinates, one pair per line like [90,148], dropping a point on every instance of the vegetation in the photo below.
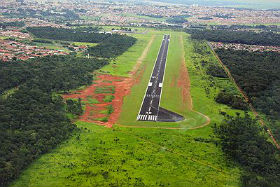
[12,24]
[33,119]
[111,45]
[75,35]
[108,98]
[145,156]
[243,37]
[105,89]
[235,101]
[131,157]
[53,73]
[245,142]
[177,19]
[74,107]
[260,83]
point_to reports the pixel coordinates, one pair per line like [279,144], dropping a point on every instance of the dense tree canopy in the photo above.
[12,24]
[56,73]
[76,35]
[33,120]
[245,142]
[111,45]
[243,37]
[258,74]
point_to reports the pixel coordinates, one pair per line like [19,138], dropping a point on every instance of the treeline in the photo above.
[75,35]
[51,74]
[244,141]
[243,37]
[225,96]
[12,24]
[34,119]
[258,74]
[177,19]
[111,45]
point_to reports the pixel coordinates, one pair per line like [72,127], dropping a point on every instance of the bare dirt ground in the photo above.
[95,112]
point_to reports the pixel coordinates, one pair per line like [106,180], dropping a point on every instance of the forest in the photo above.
[34,118]
[258,74]
[12,24]
[227,97]
[242,37]
[244,141]
[111,45]
[75,35]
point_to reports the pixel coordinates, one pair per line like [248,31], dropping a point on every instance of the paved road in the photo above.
[150,106]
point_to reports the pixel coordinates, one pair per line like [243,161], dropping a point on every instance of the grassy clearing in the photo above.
[54,46]
[108,98]
[144,17]
[6,93]
[90,100]
[3,37]
[105,89]
[84,44]
[98,156]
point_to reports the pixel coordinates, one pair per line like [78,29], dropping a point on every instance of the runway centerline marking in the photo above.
[151,101]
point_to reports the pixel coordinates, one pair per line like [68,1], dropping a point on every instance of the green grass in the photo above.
[90,101]
[105,89]
[54,46]
[123,64]
[108,98]
[143,17]
[6,93]
[98,156]
[84,43]
[4,37]
[132,103]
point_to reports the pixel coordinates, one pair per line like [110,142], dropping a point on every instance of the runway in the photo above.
[150,109]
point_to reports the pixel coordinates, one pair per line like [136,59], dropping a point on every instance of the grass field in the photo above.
[84,43]
[54,46]
[123,64]
[99,156]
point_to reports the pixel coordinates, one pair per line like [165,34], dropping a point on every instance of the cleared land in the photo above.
[118,156]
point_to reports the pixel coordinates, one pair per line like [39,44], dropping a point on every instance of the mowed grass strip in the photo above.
[171,95]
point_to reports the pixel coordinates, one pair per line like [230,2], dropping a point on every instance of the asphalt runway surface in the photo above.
[150,109]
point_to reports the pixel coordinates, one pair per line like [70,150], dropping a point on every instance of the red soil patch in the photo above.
[185,85]
[92,113]
[184,82]
[122,87]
